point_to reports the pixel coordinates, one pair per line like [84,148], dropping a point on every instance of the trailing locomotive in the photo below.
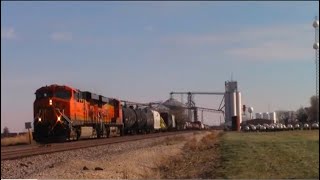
[62,112]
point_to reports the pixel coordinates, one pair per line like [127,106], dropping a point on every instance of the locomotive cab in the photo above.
[51,106]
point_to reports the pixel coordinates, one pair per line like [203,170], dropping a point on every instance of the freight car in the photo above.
[64,113]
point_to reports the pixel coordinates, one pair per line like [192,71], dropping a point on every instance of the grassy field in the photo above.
[271,155]
[18,140]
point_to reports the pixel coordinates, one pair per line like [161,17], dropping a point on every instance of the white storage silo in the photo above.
[259,115]
[238,105]
[265,115]
[233,104]
[273,117]
[250,110]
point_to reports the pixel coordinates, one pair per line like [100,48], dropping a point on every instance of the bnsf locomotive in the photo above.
[62,112]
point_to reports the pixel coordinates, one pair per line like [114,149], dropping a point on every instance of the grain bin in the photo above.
[273,117]
[259,115]
[265,115]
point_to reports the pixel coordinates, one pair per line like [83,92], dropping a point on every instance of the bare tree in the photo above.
[302,115]
[313,110]
[283,116]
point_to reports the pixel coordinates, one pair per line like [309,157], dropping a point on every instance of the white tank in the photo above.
[265,115]
[258,115]
[156,117]
[238,105]
[273,117]
[316,46]
[315,23]
[233,100]
[250,110]
[173,121]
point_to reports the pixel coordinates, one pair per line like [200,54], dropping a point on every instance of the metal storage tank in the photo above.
[238,105]
[173,104]
[156,117]
[258,115]
[265,115]
[273,117]
[250,110]
[233,100]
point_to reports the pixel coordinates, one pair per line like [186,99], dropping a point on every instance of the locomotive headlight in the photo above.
[39,119]
[50,102]
[59,118]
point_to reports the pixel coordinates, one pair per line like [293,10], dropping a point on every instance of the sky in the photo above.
[141,51]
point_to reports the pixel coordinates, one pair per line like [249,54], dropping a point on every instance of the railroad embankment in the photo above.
[201,154]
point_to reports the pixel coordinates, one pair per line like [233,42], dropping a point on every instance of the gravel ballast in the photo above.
[135,159]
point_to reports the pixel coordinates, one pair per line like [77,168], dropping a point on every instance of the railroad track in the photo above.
[32,150]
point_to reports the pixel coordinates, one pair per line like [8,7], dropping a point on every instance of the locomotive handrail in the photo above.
[64,117]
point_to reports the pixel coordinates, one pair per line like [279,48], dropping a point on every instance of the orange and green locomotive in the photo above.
[62,112]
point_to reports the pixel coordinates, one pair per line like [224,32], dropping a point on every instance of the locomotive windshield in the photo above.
[63,94]
[43,94]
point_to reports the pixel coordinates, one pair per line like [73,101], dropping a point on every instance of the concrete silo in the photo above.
[265,115]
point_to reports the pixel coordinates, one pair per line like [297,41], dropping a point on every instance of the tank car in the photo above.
[306,126]
[129,119]
[149,119]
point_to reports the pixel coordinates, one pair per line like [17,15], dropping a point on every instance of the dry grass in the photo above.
[198,160]
[170,141]
[18,140]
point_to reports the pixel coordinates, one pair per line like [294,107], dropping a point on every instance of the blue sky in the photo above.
[140,51]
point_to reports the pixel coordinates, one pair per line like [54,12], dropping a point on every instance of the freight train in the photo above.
[64,113]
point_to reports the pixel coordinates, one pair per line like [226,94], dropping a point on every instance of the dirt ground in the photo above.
[160,159]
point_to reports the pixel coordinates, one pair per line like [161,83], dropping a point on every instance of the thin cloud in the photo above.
[61,36]
[8,33]
[272,43]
